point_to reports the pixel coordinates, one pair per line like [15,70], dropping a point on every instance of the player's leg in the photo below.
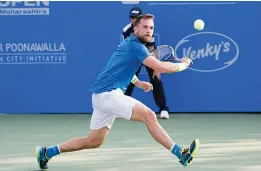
[158,94]
[142,113]
[131,109]
[131,86]
[101,123]
[93,140]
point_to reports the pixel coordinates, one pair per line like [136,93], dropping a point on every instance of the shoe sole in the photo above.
[194,152]
[164,118]
[37,156]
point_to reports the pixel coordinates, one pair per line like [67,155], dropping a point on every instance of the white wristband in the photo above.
[182,66]
[134,79]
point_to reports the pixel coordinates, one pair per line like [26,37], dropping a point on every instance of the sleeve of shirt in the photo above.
[140,51]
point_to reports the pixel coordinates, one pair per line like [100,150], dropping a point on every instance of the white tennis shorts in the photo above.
[108,106]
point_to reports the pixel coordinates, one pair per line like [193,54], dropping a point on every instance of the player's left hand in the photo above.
[145,85]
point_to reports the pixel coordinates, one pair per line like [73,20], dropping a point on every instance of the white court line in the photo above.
[1,169]
[192,3]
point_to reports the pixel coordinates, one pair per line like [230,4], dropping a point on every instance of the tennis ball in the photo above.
[199,24]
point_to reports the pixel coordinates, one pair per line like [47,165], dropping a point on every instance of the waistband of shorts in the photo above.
[117,90]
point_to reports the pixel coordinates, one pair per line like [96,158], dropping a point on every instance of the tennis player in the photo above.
[109,101]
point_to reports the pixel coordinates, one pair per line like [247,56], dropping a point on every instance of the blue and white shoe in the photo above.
[42,159]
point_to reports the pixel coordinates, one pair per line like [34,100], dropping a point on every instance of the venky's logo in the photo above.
[210,51]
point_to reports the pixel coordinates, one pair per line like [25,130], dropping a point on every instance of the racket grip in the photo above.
[178,60]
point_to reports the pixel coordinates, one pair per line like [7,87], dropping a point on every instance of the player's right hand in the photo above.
[187,60]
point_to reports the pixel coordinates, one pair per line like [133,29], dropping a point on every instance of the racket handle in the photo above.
[177,59]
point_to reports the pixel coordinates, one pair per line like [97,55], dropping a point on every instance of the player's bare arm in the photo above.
[166,67]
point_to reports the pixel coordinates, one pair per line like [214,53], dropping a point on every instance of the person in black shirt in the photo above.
[158,91]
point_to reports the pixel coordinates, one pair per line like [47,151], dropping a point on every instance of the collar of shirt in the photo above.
[133,37]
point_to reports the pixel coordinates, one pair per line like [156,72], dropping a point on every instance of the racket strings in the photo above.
[164,53]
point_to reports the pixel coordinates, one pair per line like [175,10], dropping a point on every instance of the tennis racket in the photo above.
[167,53]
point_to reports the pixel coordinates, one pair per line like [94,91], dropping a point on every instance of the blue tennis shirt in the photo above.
[122,66]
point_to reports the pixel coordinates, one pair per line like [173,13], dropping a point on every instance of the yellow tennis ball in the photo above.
[199,24]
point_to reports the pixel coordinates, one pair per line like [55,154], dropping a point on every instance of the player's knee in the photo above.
[94,142]
[150,117]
